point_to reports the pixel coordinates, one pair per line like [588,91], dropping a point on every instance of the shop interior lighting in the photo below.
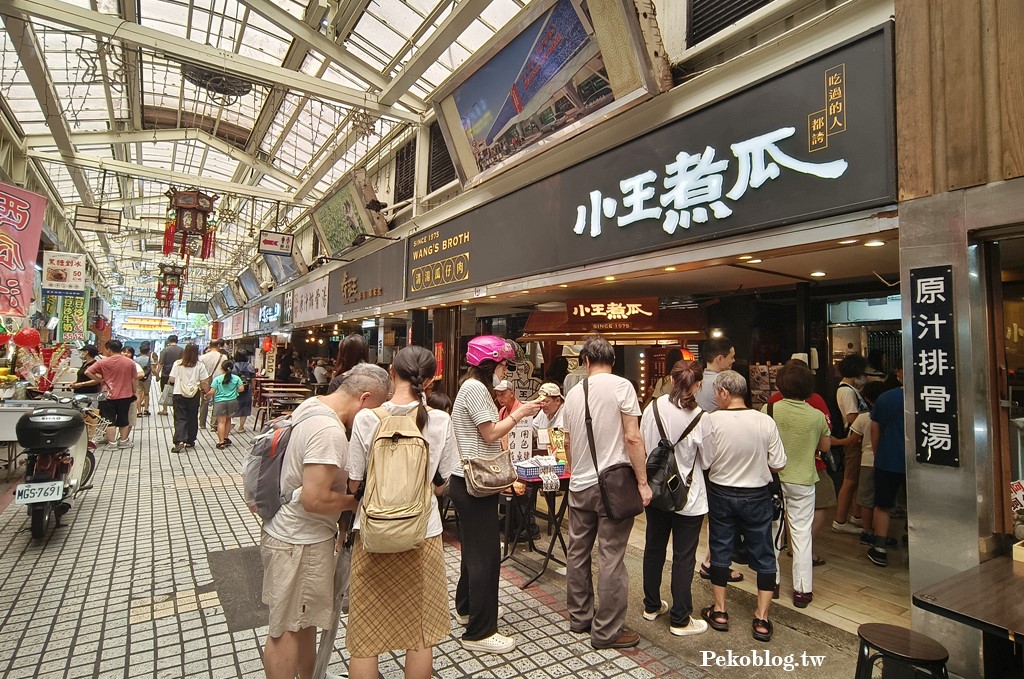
[848,241]
[494,297]
[465,301]
[746,257]
[754,261]
[716,333]
[609,278]
[874,243]
[563,285]
[818,274]
[670,268]
[310,332]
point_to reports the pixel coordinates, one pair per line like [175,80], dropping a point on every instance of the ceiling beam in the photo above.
[169,135]
[184,50]
[180,178]
[348,15]
[457,21]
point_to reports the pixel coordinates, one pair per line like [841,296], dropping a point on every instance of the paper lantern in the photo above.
[268,344]
[4,338]
[27,338]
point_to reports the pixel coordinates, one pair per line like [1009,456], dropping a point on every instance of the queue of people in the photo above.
[746,470]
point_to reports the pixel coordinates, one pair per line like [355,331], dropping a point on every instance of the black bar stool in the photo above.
[899,646]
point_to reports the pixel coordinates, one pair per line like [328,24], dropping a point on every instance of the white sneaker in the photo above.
[661,611]
[695,627]
[464,619]
[496,643]
[856,521]
[847,528]
[124,444]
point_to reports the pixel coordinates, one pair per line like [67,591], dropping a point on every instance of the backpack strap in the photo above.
[657,420]
[686,432]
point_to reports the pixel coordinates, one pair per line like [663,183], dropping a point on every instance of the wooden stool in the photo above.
[900,646]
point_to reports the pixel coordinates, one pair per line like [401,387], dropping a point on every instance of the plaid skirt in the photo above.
[397,601]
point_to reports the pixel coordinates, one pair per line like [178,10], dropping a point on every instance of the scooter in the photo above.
[60,459]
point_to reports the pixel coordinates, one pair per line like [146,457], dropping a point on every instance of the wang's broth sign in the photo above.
[814,141]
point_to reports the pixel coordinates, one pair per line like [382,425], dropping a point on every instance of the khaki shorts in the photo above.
[866,489]
[824,492]
[298,584]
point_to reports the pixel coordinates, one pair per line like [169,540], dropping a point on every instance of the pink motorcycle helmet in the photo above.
[489,348]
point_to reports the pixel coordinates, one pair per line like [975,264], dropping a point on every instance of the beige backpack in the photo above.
[396,502]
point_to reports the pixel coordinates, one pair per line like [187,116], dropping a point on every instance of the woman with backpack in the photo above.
[188,376]
[245,371]
[677,418]
[399,601]
[224,390]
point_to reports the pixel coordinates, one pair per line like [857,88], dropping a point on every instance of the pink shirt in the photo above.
[118,374]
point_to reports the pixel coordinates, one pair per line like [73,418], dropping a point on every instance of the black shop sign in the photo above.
[933,345]
[810,142]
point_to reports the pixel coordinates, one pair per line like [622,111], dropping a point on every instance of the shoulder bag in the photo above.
[488,474]
[619,491]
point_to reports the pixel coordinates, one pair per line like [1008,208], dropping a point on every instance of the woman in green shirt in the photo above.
[224,390]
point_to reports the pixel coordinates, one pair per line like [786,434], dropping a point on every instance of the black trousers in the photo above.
[685,532]
[477,592]
[186,418]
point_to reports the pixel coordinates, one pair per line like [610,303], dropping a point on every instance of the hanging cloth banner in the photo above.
[21,221]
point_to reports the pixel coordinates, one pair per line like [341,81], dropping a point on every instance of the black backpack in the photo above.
[669,490]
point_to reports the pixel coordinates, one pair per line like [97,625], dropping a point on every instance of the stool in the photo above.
[903,647]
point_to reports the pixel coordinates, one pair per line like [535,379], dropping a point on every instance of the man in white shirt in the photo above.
[320,373]
[213,359]
[297,544]
[719,354]
[614,413]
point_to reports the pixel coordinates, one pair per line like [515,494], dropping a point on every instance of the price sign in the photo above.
[520,440]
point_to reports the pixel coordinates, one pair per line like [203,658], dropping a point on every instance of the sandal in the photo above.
[817,562]
[763,624]
[733,575]
[719,620]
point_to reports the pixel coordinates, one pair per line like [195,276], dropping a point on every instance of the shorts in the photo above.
[144,385]
[298,584]
[225,408]
[116,410]
[866,488]
[824,492]
[887,486]
[851,463]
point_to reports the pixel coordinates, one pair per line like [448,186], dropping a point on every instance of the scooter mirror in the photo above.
[40,371]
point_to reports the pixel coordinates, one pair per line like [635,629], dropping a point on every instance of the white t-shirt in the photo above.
[611,397]
[193,375]
[862,427]
[747,443]
[320,374]
[694,452]
[213,360]
[318,437]
[542,421]
[849,401]
[473,406]
[706,396]
[440,436]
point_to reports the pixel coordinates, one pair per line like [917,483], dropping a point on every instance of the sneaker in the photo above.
[898,512]
[496,643]
[654,614]
[867,538]
[878,557]
[124,444]
[695,626]
[856,521]
[464,619]
[847,528]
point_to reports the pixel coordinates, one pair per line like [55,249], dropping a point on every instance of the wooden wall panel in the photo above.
[964,94]
[1010,17]
[914,99]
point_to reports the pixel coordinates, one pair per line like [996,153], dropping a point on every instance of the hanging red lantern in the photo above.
[4,338]
[189,214]
[26,338]
[100,324]
[268,344]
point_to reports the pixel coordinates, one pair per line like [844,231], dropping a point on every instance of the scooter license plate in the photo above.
[30,493]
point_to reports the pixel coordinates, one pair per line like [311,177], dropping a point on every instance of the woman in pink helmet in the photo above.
[479,431]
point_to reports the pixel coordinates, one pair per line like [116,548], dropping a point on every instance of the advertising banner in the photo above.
[73,310]
[63,273]
[21,221]
[309,301]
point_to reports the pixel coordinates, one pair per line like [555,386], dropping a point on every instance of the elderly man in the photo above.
[298,542]
[213,359]
[614,413]
[505,395]
[748,451]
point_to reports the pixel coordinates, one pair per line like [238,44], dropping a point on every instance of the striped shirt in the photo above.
[473,406]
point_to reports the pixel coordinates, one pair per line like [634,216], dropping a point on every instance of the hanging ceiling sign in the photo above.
[100,220]
[274,243]
[21,221]
[933,346]
[821,143]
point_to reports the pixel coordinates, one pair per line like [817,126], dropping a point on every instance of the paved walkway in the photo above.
[155,573]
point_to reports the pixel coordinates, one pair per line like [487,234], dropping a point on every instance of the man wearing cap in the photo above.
[551,400]
[505,395]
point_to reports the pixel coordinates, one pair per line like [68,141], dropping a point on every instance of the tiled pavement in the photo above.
[125,589]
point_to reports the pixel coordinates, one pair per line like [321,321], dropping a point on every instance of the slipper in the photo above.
[817,562]
[719,620]
[733,576]
[764,624]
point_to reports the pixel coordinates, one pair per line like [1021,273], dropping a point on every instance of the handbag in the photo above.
[167,396]
[619,492]
[829,458]
[489,474]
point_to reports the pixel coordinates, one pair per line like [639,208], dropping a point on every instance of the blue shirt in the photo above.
[891,455]
[225,387]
